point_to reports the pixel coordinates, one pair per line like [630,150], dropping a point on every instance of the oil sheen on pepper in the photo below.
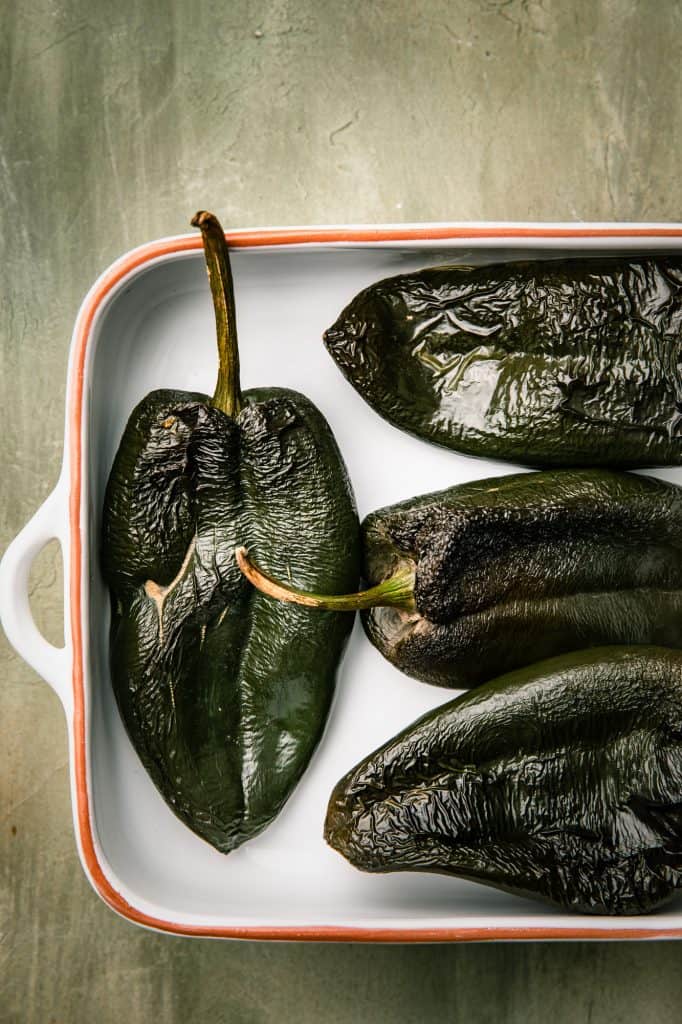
[544,362]
[225,694]
[561,782]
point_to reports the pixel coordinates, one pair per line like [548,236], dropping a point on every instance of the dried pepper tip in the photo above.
[227,396]
[395,592]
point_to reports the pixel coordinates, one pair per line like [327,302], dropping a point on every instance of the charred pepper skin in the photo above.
[467,583]
[224,693]
[519,568]
[562,782]
[544,363]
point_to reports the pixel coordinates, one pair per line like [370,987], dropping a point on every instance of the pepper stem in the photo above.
[228,396]
[395,592]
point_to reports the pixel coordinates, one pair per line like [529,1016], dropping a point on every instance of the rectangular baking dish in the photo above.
[147,323]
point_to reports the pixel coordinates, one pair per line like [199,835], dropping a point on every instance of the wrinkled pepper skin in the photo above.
[546,363]
[514,569]
[562,781]
[224,693]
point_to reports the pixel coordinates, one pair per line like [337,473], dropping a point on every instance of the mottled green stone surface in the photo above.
[118,121]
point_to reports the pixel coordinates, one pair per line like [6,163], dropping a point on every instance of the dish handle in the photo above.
[51,662]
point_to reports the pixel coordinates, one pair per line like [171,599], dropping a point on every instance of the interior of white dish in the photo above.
[158,331]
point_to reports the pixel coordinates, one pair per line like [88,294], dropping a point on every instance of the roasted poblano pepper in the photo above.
[470,582]
[562,362]
[562,781]
[224,693]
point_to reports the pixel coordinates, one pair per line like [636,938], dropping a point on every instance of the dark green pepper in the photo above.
[562,781]
[554,362]
[225,694]
[487,576]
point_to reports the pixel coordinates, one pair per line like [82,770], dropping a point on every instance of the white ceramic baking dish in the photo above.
[148,323]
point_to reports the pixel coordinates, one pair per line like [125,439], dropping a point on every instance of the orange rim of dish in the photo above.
[253,239]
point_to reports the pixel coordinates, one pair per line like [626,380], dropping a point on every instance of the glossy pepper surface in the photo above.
[553,362]
[474,581]
[562,781]
[225,694]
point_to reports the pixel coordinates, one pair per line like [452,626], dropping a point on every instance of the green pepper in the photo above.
[488,576]
[562,781]
[562,362]
[223,693]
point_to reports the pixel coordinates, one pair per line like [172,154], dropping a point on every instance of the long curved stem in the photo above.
[228,396]
[395,592]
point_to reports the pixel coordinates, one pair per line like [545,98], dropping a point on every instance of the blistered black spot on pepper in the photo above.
[514,569]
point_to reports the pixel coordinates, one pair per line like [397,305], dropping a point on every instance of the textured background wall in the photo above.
[118,120]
